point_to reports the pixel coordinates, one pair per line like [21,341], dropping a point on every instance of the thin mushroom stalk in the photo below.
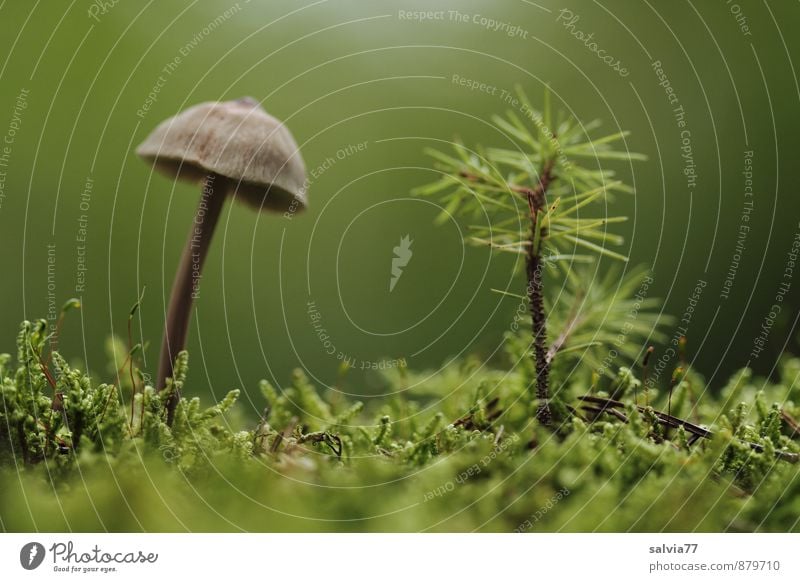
[186,287]
[237,150]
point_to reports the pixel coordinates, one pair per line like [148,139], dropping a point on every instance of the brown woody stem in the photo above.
[185,288]
[537,202]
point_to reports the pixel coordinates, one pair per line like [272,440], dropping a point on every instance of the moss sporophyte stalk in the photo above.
[576,412]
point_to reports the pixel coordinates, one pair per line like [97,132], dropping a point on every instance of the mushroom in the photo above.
[234,148]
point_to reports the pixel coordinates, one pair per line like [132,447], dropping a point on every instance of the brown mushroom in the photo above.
[234,148]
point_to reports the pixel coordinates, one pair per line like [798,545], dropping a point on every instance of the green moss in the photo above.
[74,458]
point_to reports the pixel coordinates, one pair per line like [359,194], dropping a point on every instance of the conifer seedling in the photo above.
[236,149]
[534,193]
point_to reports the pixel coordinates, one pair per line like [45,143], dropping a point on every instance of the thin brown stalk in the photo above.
[572,323]
[645,371]
[791,422]
[597,405]
[130,371]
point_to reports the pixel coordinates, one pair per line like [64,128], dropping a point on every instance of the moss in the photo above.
[68,443]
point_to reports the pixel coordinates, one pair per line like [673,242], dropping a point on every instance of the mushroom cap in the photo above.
[235,139]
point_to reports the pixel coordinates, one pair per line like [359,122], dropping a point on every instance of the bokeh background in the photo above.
[82,83]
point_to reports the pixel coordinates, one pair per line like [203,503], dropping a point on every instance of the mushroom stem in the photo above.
[186,285]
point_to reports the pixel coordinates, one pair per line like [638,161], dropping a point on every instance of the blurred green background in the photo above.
[96,77]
